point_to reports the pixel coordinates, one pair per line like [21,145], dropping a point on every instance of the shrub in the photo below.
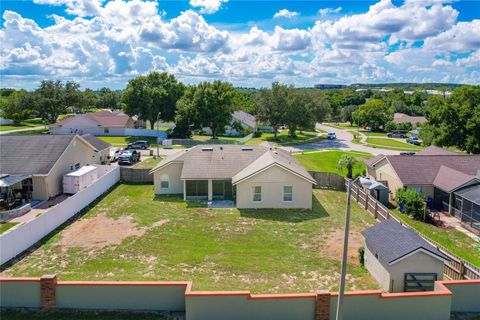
[390,126]
[413,203]
[361,255]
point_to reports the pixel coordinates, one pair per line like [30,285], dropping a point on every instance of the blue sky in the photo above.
[249,43]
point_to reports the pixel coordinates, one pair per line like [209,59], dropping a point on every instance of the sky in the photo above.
[104,43]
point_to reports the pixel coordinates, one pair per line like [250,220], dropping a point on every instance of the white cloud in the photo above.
[284,13]
[81,8]
[207,6]
[327,11]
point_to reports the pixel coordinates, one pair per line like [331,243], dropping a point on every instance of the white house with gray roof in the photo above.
[250,176]
[400,260]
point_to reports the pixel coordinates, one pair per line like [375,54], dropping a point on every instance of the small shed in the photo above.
[400,260]
[375,189]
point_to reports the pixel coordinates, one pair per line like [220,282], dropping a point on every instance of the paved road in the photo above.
[20,130]
[343,142]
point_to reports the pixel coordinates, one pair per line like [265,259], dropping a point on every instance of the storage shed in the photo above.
[400,260]
[375,189]
[78,180]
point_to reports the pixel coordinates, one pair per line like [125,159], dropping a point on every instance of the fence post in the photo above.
[375,213]
[461,270]
[322,307]
[48,292]
[366,201]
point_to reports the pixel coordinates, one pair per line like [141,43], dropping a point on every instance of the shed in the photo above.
[375,189]
[400,260]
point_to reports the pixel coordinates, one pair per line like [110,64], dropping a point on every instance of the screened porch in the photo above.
[208,190]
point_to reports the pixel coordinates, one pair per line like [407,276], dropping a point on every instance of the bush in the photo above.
[412,202]
[390,126]
[361,255]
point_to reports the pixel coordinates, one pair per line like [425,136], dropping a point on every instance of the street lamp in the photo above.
[158,134]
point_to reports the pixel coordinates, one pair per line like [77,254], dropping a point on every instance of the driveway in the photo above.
[343,142]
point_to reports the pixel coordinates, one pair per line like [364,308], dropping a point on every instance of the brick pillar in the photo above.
[322,311]
[48,292]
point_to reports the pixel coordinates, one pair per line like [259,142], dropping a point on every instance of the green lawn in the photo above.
[33,131]
[341,125]
[121,141]
[11,127]
[206,138]
[388,143]
[148,163]
[285,140]
[4,226]
[326,161]
[455,241]
[220,249]
[78,315]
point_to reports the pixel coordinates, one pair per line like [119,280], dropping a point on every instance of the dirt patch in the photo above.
[101,231]
[334,245]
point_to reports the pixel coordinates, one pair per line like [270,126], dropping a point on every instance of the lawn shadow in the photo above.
[287,215]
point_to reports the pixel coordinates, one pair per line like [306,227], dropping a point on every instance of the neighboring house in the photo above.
[4,122]
[400,260]
[399,118]
[251,176]
[45,159]
[247,121]
[103,154]
[102,123]
[441,175]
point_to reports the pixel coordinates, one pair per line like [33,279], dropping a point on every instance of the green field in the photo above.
[326,161]
[149,163]
[10,127]
[33,131]
[207,138]
[341,125]
[165,238]
[120,141]
[4,226]
[388,143]
[455,241]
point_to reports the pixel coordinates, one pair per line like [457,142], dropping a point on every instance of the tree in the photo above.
[147,96]
[412,202]
[272,105]
[374,114]
[454,121]
[17,106]
[346,113]
[50,97]
[108,99]
[348,162]
[186,114]
[88,99]
[73,95]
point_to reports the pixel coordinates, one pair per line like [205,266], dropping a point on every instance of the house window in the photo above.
[164,182]
[106,130]
[257,194]
[288,193]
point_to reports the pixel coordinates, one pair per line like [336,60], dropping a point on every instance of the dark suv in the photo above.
[141,144]
[129,156]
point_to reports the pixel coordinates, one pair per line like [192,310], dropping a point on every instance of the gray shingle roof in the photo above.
[228,161]
[245,118]
[391,241]
[31,154]
[99,144]
[436,151]
[471,194]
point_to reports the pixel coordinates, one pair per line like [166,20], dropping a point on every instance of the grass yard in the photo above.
[285,140]
[12,314]
[11,127]
[121,141]
[326,161]
[207,138]
[33,131]
[148,163]
[4,226]
[455,241]
[340,125]
[392,144]
[131,234]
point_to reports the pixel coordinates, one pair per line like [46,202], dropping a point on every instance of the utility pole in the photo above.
[341,292]
[158,134]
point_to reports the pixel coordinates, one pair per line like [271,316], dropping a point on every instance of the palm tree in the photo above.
[347,161]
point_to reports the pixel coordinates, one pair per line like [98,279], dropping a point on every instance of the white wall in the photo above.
[377,270]
[23,236]
[466,296]
[20,294]
[173,171]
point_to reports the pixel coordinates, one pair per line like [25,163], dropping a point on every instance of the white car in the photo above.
[114,152]
[331,135]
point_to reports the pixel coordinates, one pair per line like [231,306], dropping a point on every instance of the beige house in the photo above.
[400,260]
[399,118]
[102,123]
[250,176]
[45,159]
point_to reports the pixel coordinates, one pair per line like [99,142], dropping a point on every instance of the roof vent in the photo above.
[247,149]
[207,149]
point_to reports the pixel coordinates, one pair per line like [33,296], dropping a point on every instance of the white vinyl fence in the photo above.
[21,237]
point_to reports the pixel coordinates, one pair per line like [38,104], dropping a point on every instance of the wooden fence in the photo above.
[455,269]
[133,175]
[328,180]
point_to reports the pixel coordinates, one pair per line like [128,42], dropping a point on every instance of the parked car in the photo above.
[397,134]
[140,144]
[114,153]
[129,156]
[331,136]
[414,140]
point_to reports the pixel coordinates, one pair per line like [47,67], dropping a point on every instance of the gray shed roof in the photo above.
[391,241]
[471,194]
[31,154]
